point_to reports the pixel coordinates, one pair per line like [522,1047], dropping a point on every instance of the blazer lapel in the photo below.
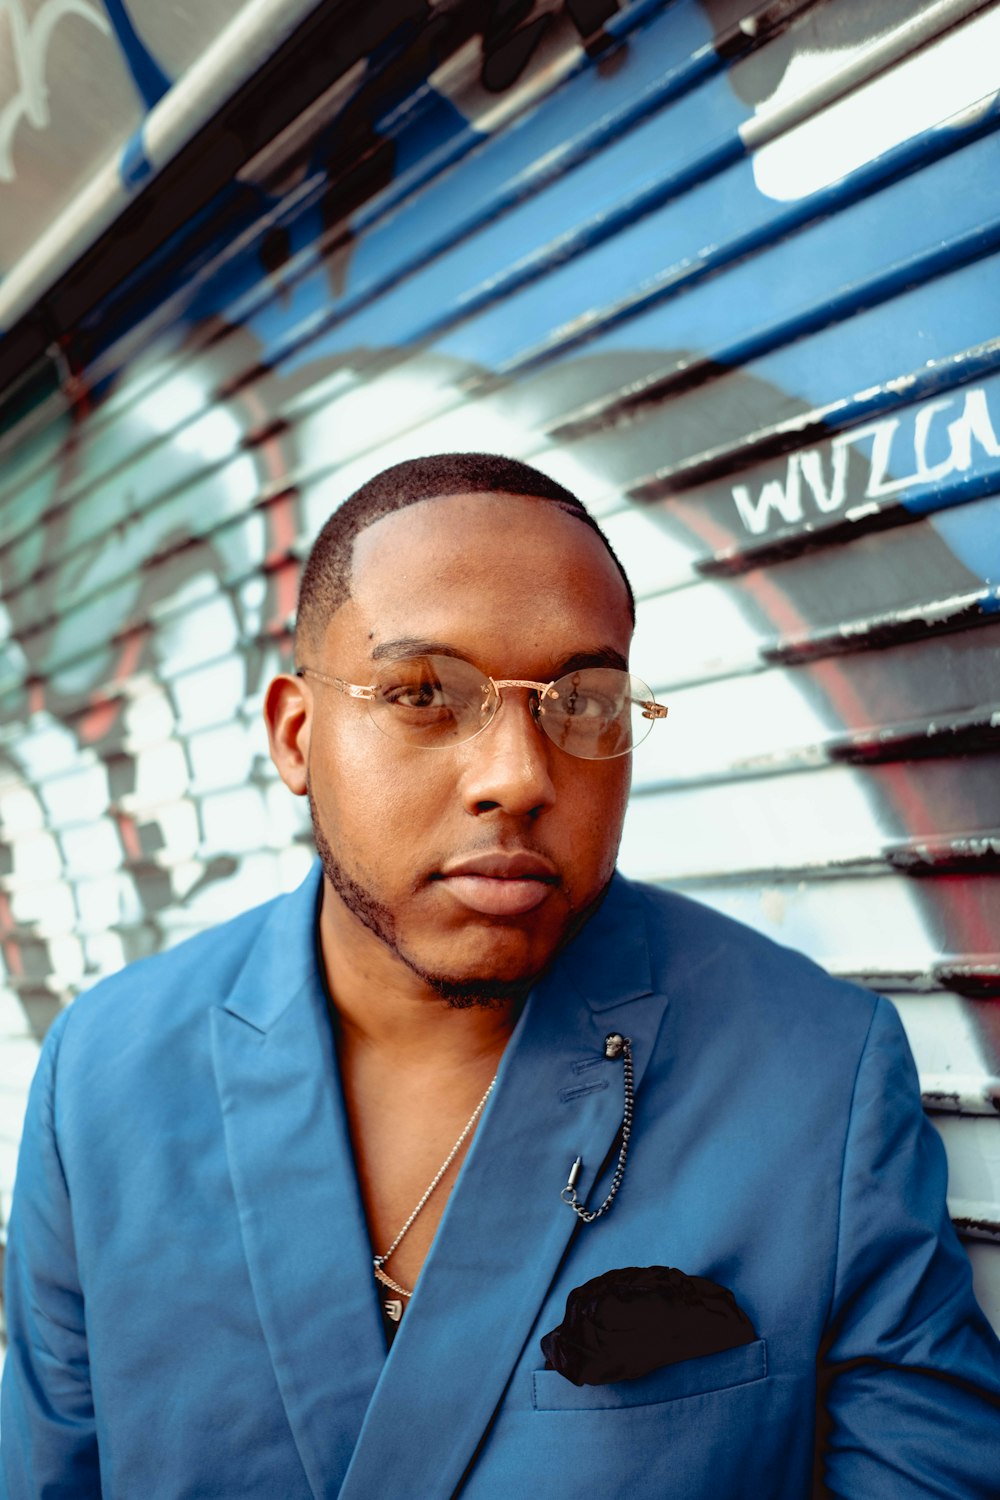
[292,1169]
[505,1231]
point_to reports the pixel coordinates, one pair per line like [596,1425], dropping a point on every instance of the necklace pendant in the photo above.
[393,1309]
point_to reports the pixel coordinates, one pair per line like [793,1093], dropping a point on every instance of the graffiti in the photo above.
[101,673]
[32,40]
[149,558]
[512,32]
[816,479]
[953,77]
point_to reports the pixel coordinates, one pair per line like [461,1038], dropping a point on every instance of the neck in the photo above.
[382,1005]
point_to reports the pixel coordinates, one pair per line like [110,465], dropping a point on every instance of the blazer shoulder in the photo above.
[166,990]
[691,944]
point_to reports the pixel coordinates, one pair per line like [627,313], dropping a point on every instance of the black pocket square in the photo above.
[627,1322]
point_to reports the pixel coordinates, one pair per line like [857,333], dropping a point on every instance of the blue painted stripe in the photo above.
[650,165]
[947,444]
[781,285]
[666,55]
[581,119]
[631,16]
[147,75]
[590,110]
[981,481]
[651,48]
[842,376]
[420,227]
[134,166]
[922,335]
[405,248]
[626,263]
[856,340]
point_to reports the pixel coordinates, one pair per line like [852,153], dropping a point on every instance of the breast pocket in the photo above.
[689,1377]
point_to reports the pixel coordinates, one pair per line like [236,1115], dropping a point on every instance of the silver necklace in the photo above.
[394,1307]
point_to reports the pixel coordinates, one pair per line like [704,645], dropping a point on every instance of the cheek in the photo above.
[598,810]
[382,795]
[614,815]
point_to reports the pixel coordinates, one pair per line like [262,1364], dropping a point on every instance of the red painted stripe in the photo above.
[903,793]
[99,719]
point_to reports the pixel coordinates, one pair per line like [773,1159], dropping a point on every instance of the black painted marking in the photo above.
[965,854]
[976,979]
[794,541]
[943,736]
[920,621]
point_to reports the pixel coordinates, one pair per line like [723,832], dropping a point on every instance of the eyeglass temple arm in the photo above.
[352,689]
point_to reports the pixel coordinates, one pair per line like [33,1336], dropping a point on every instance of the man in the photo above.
[299,1200]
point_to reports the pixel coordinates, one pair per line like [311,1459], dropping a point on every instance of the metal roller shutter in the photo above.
[732,273]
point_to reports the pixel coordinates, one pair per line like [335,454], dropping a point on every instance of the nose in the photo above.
[508,765]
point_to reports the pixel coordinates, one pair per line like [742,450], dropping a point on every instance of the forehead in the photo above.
[483,571]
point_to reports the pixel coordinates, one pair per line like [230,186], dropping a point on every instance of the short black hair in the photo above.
[325,583]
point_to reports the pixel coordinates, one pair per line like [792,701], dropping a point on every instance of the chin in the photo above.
[495,965]
[487,994]
[509,956]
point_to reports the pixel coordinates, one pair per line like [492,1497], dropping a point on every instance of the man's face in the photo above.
[522,590]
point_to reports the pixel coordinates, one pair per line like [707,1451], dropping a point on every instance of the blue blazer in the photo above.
[189,1275]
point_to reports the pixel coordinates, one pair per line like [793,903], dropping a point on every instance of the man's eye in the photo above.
[416,695]
[583,705]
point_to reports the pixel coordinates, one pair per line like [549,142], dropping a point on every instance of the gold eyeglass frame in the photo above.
[367,693]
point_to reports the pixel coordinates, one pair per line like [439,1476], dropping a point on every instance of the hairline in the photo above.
[327,578]
[575,512]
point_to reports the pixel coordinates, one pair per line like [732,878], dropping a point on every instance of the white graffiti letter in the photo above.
[878,484]
[975,422]
[783,498]
[812,473]
[31,46]
[928,473]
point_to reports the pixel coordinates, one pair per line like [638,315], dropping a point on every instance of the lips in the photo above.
[499,884]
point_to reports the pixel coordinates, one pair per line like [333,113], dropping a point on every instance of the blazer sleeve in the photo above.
[910,1374]
[48,1442]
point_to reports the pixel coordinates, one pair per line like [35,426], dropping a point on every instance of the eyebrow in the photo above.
[412,646]
[406,646]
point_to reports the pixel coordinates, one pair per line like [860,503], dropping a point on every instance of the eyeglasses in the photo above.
[595,713]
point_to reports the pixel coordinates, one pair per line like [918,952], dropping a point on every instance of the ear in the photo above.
[288,716]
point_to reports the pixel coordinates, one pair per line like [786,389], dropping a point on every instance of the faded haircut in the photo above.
[326,578]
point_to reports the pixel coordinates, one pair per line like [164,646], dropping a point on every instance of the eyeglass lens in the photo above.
[594,713]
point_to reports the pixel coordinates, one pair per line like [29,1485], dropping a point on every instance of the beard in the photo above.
[459,994]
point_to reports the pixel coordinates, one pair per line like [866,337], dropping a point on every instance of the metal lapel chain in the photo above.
[615,1045]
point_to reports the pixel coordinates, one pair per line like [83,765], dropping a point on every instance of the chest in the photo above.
[410,1139]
